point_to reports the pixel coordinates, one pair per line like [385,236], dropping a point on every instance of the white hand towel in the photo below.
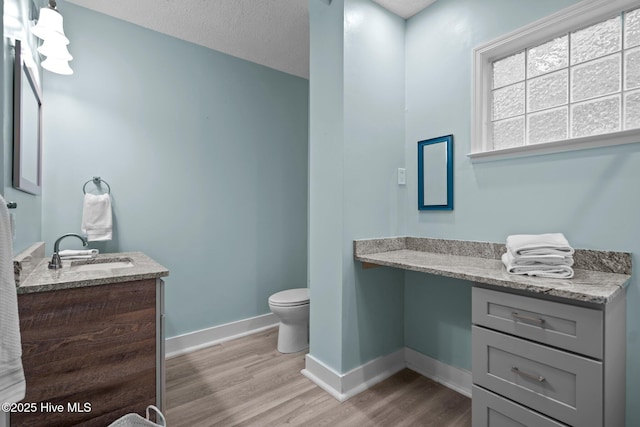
[539,259]
[96,217]
[12,384]
[554,271]
[539,244]
[78,254]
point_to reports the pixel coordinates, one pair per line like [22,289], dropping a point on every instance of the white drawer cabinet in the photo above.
[539,362]
[562,385]
[569,327]
[490,409]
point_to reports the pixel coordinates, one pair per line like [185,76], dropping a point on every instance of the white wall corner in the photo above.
[449,376]
[324,377]
[347,385]
[192,341]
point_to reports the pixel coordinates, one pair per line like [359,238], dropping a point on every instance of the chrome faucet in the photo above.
[56,262]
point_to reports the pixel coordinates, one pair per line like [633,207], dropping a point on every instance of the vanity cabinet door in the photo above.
[89,354]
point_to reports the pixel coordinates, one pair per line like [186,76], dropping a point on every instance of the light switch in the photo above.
[402,176]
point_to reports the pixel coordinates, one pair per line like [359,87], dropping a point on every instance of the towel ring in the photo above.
[96,180]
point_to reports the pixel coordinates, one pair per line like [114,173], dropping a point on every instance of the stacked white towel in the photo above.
[78,254]
[12,384]
[543,255]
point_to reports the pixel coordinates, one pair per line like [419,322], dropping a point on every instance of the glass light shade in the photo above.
[49,26]
[58,66]
[54,49]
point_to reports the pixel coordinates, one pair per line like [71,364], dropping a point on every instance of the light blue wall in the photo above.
[206,156]
[356,145]
[589,195]
[28,219]
[326,176]
[4,105]
[373,134]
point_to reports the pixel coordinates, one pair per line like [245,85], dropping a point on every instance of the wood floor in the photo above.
[246,382]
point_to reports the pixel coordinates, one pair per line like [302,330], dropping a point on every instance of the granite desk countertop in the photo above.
[599,276]
[42,279]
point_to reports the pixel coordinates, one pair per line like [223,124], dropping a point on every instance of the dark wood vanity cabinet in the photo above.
[91,354]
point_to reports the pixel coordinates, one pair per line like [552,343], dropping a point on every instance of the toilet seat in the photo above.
[290,298]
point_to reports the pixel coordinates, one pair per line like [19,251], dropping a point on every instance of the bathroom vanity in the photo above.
[92,340]
[546,352]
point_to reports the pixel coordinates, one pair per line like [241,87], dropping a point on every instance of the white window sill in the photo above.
[597,141]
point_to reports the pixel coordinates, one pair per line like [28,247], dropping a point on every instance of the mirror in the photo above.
[435,173]
[27,127]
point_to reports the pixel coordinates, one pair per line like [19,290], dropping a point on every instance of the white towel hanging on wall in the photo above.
[96,217]
[12,383]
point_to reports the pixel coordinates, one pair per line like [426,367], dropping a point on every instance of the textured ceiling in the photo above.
[274,33]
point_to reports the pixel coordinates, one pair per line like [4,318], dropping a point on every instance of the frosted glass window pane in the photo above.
[595,117]
[508,133]
[596,78]
[508,101]
[632,28]
[632,110]
[632,68]
[596,41]
[548,91]
[508,70]
[547,57]
[547,126]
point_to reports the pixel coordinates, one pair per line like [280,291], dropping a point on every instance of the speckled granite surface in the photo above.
[599,275]
[26,261]
[43,279]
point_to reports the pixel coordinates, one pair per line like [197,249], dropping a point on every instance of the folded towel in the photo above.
[539,259]
[12,384]
[559,271]
[78,254]
[539,244]
[96,217]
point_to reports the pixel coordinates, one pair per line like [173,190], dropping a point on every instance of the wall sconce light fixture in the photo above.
[54,46]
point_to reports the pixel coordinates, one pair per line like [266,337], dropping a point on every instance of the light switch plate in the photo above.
[402,176]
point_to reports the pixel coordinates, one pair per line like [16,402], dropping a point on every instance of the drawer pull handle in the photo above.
[519,316]
[538,378]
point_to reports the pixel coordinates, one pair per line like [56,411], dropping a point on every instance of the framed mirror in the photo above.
[435,173]
[27,126]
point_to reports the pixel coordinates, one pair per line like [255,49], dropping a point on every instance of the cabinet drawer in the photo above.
[566,326]
[562,385]
[490,410]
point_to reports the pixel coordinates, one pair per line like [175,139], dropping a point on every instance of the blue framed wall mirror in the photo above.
[435,174]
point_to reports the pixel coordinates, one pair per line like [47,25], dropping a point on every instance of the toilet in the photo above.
[291,307]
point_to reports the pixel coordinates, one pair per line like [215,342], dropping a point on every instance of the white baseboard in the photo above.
[324,377]
[344,386]
[340,386]
[182,344]
[449,376]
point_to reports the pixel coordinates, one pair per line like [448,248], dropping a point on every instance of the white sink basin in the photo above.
[105,264]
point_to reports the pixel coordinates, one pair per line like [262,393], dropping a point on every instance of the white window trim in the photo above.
[581,14]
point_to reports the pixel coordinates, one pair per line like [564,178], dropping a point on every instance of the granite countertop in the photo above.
[599,275]
[43,279]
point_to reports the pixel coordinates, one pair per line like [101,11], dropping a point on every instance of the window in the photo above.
[569,81]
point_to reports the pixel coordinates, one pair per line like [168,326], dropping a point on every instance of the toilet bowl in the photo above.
[291,307]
